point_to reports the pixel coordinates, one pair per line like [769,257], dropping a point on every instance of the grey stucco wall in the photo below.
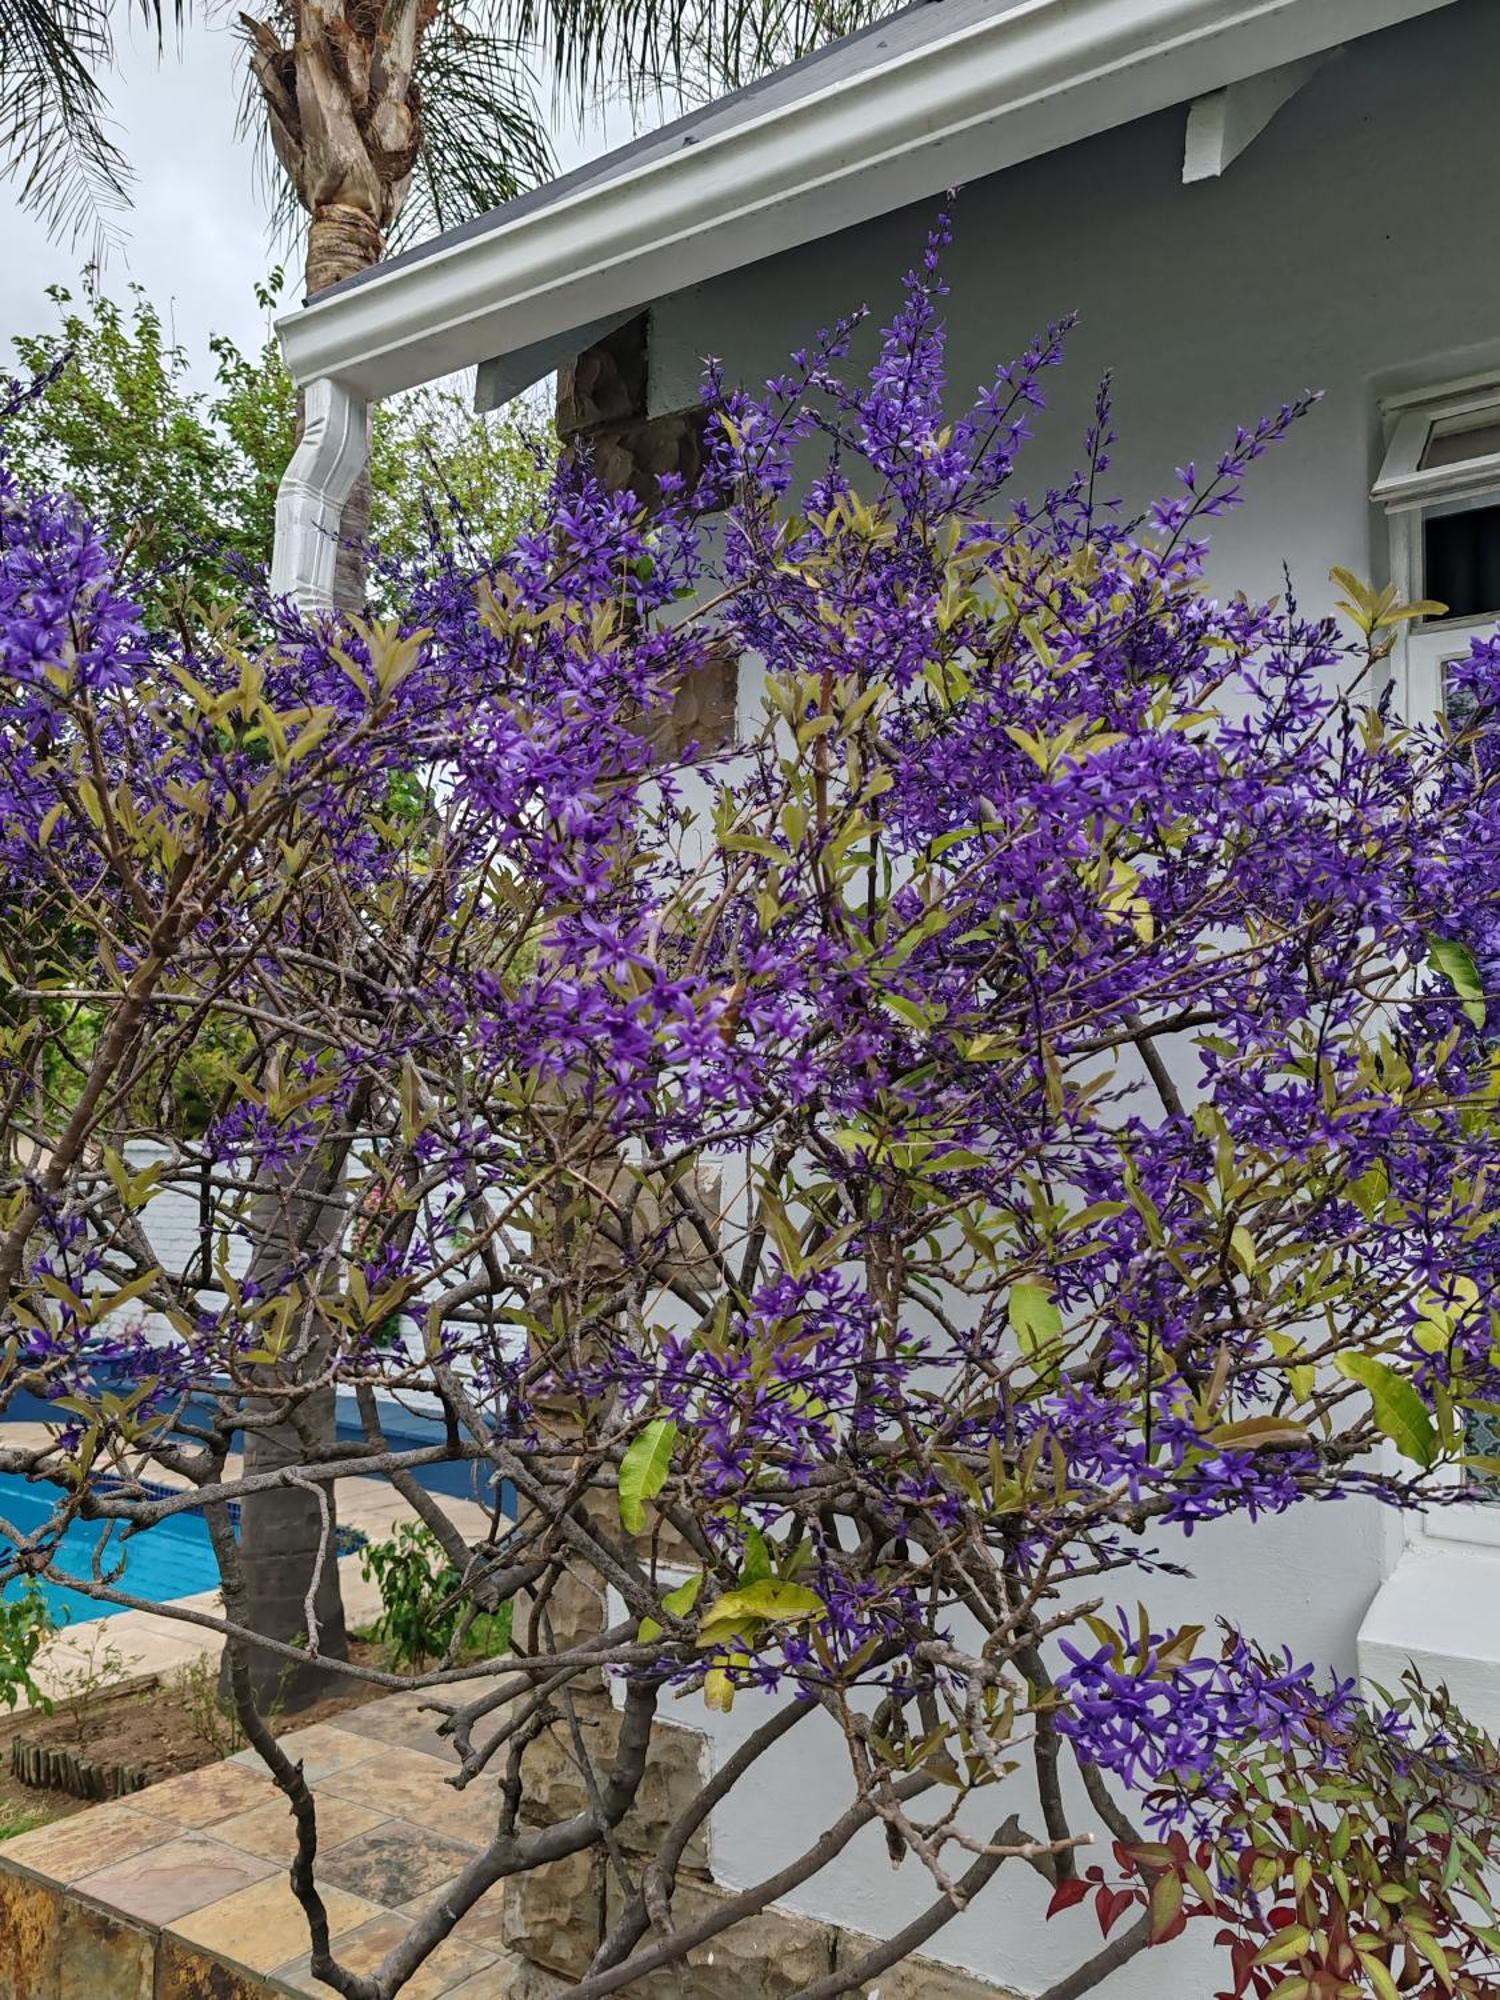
[1352,249]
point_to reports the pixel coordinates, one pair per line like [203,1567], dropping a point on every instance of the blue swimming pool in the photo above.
[173,1559]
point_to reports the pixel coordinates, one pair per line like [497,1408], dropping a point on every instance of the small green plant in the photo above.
[26,1624]
[101,1669]
[422,1602]
[16,1818]
[196,1686]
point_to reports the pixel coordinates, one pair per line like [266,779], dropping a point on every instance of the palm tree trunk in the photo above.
[343,122]
[288,1540]
[287,1545]
[341,108]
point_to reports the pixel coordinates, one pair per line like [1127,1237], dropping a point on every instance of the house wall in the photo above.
[1352,248]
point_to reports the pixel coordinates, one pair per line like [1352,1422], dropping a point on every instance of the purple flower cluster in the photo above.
[1022,1101]
[1171,1728]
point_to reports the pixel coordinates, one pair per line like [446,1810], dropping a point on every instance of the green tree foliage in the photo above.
[185,476]
[424,1612]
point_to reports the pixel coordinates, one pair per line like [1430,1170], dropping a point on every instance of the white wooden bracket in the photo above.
[334,446]
[1221,125]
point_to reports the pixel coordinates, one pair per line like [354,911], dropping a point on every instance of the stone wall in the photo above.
[56,1946]
[602,403]
[63,1935]
[601,410]
[555,1918]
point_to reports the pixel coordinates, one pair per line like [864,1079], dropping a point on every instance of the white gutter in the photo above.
[334,445]
[1006,88]
[1001,90]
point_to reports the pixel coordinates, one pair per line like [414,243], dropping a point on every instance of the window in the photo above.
[1440,489]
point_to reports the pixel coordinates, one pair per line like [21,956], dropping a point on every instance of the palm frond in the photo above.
[55,138]
[691,48]
[485,139]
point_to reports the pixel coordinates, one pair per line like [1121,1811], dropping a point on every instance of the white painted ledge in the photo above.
[1439,1610]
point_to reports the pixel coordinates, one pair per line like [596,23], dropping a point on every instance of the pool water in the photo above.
[172,1559]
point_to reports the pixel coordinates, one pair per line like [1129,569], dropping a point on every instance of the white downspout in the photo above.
[310,500]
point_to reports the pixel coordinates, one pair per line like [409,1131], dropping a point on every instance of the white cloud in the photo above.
[198,237]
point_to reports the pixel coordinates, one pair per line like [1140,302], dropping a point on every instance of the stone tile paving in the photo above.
[270,1829]
[173,1878]
[180,1892]
[263,1927]
[453,1963]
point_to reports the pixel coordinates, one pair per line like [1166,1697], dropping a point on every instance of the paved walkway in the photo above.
[149,1643]
[181,1890]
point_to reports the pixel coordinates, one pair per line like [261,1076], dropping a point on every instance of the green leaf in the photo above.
[1429,1948]
[758,1564]
[101,1305]
[1289,1943]
[1456,963]
[1166,1905]
[772,1599]
[1371,1191]
[1036,1322]
[912,1012]
[679,1602]
[1399,1410]
[643,1471]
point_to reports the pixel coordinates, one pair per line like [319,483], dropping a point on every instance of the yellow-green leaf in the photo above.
[1379,1976]
[1242,1249]
[643,1471]
[1290,1943]
[772,1600]
[1251,1433]
[1036,1322]
[679,1602]
[1399,1411]
[1456,963]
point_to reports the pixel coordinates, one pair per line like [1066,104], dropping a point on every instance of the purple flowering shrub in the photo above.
[857,1205]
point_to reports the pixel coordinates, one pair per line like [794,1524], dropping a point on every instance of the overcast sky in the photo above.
[197,238]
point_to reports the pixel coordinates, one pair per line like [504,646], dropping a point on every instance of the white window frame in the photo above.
[1407,493]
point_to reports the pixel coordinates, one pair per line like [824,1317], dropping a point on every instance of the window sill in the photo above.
[1439,1610]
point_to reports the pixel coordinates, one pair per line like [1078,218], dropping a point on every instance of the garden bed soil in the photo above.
[158,1725]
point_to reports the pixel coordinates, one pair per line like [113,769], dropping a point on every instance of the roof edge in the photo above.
[991,94]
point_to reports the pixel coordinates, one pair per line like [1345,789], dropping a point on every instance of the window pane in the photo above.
[1461,561]
[1453,447]
[1459,705]
[1481,1428]
[1482,1439]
